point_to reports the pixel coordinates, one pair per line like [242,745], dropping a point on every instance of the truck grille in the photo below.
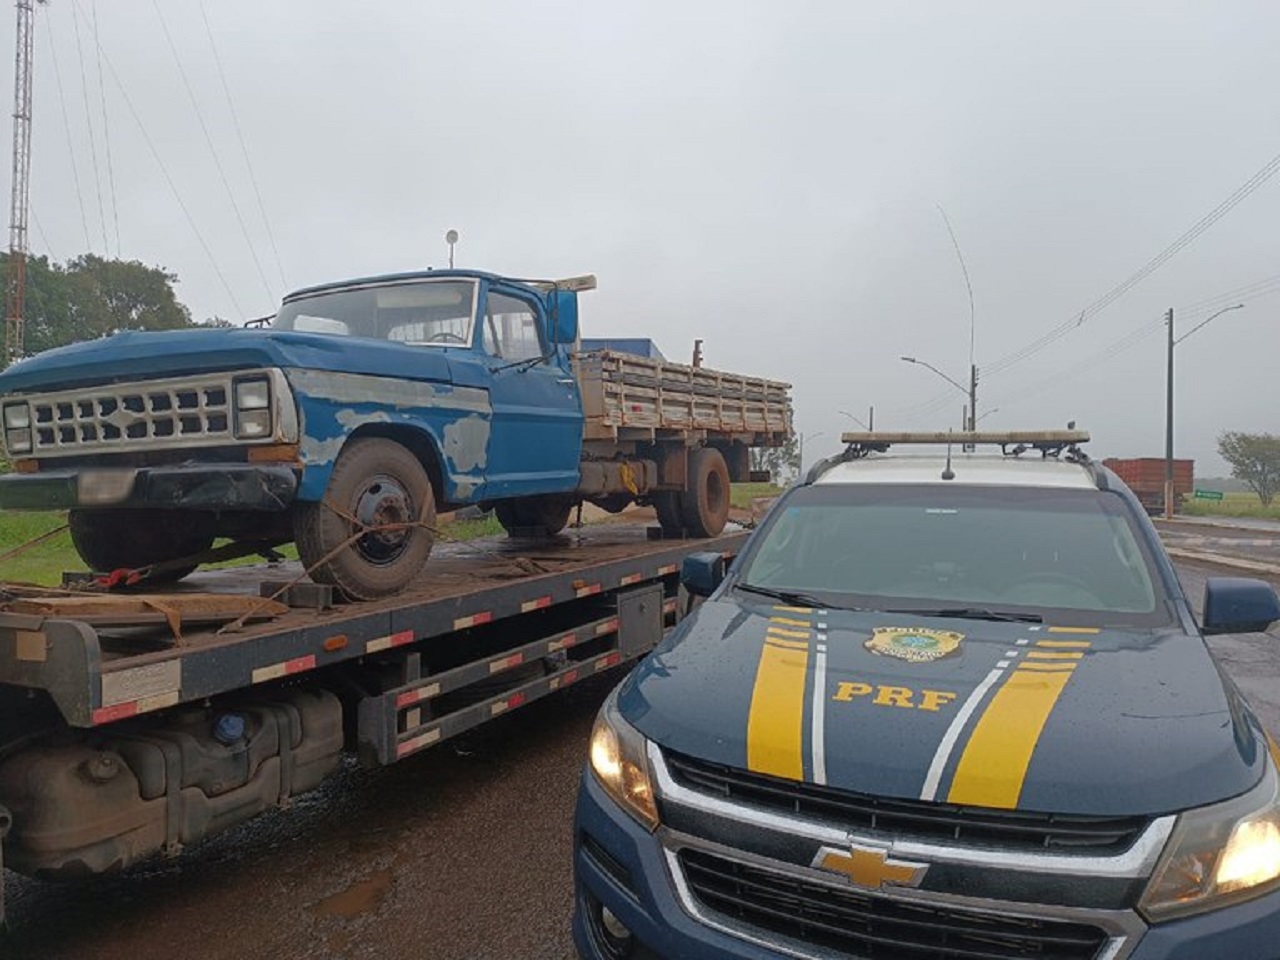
[914,819]
[120,417]
[873,927]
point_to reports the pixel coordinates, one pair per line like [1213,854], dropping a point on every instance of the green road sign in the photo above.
[1208,495]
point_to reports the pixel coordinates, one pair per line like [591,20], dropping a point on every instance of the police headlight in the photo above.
[1219,855]
[618,760]
[17,427]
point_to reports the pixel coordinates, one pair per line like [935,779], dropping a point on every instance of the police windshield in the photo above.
[1007,552]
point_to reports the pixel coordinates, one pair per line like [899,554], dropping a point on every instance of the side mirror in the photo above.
[1238,605]
[701,573]
[564,316]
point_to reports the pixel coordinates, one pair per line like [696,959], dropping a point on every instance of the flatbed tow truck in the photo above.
[133,725]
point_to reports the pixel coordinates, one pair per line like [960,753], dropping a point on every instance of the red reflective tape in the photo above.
[569,677]
[473,621]
[667,569]
[588,590]
[611,660]
[515,700]
[115,712]
[406,699]
[631,578]
[506,663]
[609,626]
[568,640]
[539,603]
[299,664]
[277,670]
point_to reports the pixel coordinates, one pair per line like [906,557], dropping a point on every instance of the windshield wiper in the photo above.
[976,613]
[787,596]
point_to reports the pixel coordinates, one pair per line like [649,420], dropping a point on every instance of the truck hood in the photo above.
[1043,718]
[137,355]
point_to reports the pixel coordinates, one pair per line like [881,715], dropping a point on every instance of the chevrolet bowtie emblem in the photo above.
[869,867]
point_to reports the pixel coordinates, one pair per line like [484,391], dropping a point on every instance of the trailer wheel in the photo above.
[131,539]
[375,483]
[705,503]
[534,516]
[670,510]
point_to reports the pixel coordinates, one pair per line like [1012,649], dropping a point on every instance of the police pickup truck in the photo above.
[940,706]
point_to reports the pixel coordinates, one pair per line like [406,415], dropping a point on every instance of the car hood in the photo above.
[134,355]
[1047,718]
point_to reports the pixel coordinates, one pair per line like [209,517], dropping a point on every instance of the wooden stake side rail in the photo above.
[626,392]
[93,680]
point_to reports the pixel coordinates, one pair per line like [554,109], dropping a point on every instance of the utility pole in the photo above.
[16,286]
[1168,426]
[973,396]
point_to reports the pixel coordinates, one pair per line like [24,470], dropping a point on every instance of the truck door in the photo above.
[535,438]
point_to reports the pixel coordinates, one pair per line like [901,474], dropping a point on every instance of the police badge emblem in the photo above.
[912,644]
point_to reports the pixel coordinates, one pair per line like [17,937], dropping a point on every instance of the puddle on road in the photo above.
[361,897]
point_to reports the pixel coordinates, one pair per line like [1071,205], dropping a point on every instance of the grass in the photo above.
[741,494]
[1231,505]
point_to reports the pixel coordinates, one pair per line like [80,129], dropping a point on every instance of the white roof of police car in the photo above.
[1029,470]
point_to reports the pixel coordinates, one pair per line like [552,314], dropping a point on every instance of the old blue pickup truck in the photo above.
[358,412]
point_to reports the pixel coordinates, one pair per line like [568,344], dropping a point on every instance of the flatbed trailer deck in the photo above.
[490,626]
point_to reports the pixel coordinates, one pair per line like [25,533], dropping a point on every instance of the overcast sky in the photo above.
[765,176]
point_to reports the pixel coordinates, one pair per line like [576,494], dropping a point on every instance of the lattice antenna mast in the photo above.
[16,289]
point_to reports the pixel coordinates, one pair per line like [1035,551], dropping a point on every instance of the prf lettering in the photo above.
[882,696]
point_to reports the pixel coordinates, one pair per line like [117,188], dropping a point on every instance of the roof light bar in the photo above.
[1029,437]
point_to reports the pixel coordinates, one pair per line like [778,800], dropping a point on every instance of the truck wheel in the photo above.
[536,516]
[376,482]
[109,540]
[670,510]
[705,502]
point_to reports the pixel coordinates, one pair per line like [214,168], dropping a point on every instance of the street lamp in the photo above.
[985,415]
[870,425]
[971,393]
[1168,403]
[811,436]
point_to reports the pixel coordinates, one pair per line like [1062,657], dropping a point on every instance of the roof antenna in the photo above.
[947,472]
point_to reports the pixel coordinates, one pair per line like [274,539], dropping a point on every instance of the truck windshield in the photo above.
[432,313]
[1058,554]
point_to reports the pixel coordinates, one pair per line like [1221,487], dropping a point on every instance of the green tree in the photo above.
[783,463]
[91,297]
[1255,459]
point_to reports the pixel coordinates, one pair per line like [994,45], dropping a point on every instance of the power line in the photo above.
[93,142]
[244,150]
[968,286]
[173,187]
[208,139]
[106,132]
[66,122]
[1115,293]
[43,239]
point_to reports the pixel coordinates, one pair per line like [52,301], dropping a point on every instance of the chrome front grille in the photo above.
[848,922]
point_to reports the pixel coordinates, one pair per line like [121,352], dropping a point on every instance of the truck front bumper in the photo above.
[619,866]
[208,486]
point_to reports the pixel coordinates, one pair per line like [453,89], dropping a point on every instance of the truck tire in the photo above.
[705,503]
[534,516]
[670,510]
[131,539]
[374,482]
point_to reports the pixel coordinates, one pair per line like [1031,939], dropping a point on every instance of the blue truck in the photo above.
[360,411]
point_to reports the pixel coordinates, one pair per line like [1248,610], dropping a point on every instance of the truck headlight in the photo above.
[253,408]
[17,427]
[1219,855]
[253,394]
[618,761]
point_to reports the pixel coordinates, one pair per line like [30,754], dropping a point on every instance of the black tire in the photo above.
[534,516]
[705,503]
[375,481]
[668,505]
[131,539]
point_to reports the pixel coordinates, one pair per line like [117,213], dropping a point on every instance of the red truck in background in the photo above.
[1145,477]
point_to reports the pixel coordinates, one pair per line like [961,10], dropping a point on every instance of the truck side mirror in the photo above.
[701,573]
[564,316]
[1238,605]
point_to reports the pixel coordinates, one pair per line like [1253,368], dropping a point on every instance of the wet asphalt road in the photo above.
[461,853]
